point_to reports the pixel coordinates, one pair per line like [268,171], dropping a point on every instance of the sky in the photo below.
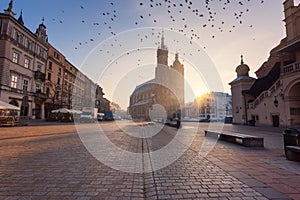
[114,42]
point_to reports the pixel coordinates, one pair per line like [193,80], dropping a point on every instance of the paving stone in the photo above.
[52,162]
[271,193]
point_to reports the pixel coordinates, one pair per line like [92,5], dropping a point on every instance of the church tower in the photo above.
[162,68]
[238,85]
[162,52]
[178,79]
[41,32]
[178,66]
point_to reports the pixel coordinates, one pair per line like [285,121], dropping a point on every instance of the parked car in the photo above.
[204,120]
[100,116]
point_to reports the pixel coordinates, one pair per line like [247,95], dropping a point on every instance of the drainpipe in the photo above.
[246,114]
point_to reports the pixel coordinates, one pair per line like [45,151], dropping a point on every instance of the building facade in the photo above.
[35,76]
[54,80]
[273,99]
[23,60]
[102,103]
[164,92]
[214,105]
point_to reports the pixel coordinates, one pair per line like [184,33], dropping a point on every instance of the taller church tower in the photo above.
[162,68]
[162,52]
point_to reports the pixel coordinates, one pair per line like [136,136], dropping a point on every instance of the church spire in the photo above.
[162,45]
[20,19]
[162,52]
[242,61]
[243,69]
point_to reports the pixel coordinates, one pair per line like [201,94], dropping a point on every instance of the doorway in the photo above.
[275,119]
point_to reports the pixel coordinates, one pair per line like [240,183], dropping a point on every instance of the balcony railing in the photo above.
[291,68]
[38,75]
[267,93]
[37,94]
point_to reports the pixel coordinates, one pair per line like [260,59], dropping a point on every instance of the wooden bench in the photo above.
[242,139]
[293,153]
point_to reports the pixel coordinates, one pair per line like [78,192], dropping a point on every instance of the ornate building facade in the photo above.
[23,60]
[164,92]
[273,99]
[35,76]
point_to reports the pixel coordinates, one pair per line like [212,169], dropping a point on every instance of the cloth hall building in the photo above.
[273,99]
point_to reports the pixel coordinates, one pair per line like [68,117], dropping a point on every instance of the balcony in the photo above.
[39,76]
[291,68]
[40,95]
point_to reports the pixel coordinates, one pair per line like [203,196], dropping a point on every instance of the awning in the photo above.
[7,106]
[75,111]
[61,110]
[64,110]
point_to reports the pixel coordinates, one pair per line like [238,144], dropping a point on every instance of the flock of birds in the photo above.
[177,15]
[189,18]
[177,12]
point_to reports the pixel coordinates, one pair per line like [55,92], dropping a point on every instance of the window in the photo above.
[37,87]
[30,45]
[58,81]
[16,57]
[20,39]
[49,76]
[56,55]
[26,42]
[14,81]
[27,63]
[39,67]
[14,34]
[50,65]
[25,84]
[57,95]
[59,71]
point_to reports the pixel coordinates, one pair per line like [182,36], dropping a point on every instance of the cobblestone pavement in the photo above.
[51,162]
